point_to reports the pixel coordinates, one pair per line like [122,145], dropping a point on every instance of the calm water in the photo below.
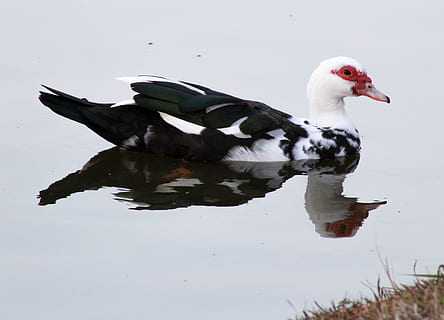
[119,235]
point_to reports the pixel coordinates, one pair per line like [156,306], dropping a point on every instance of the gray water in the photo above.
[237,242]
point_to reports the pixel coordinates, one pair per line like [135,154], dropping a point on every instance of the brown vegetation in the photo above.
[422,300]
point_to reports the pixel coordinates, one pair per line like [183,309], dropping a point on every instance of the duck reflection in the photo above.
[153,182]
[333,214]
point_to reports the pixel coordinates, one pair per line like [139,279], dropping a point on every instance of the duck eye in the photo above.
[347,72]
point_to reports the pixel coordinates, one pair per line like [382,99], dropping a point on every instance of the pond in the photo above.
[90,231]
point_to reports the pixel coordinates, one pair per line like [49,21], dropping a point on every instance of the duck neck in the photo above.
[330,112]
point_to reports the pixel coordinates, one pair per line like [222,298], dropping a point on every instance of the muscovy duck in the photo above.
[189,121]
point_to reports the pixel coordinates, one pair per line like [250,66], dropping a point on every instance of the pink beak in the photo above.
[369,90]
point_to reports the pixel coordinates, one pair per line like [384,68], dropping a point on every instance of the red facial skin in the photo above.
[363,83]
[350,73]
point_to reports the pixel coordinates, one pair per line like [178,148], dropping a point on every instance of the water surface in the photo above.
[119,235]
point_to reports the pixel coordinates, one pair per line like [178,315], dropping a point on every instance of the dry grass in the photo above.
[422,300]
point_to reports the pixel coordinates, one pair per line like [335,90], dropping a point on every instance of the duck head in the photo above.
[332,81]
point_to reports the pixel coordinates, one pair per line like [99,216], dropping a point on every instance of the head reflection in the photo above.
[152,182]
[333,214]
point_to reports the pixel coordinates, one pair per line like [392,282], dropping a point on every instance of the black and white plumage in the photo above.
[190,121]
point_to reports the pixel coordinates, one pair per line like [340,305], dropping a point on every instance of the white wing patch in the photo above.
[216,106]
[182,125]
[124,103]
[235,130]
[158,79]
[192,128]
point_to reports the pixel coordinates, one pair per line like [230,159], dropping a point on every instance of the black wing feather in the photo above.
[182,102]
[259,122]
[204,101]
[225,116]
[207,91]
[154,104]
[158,91]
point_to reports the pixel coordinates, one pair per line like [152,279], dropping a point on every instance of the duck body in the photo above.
[193,122]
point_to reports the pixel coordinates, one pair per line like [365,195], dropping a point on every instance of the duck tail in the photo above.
[66,105]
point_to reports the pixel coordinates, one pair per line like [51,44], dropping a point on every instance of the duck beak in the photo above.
[370,91]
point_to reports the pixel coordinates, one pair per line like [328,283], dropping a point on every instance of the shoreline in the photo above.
[424,299]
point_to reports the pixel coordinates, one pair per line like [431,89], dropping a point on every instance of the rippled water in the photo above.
[92,232]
